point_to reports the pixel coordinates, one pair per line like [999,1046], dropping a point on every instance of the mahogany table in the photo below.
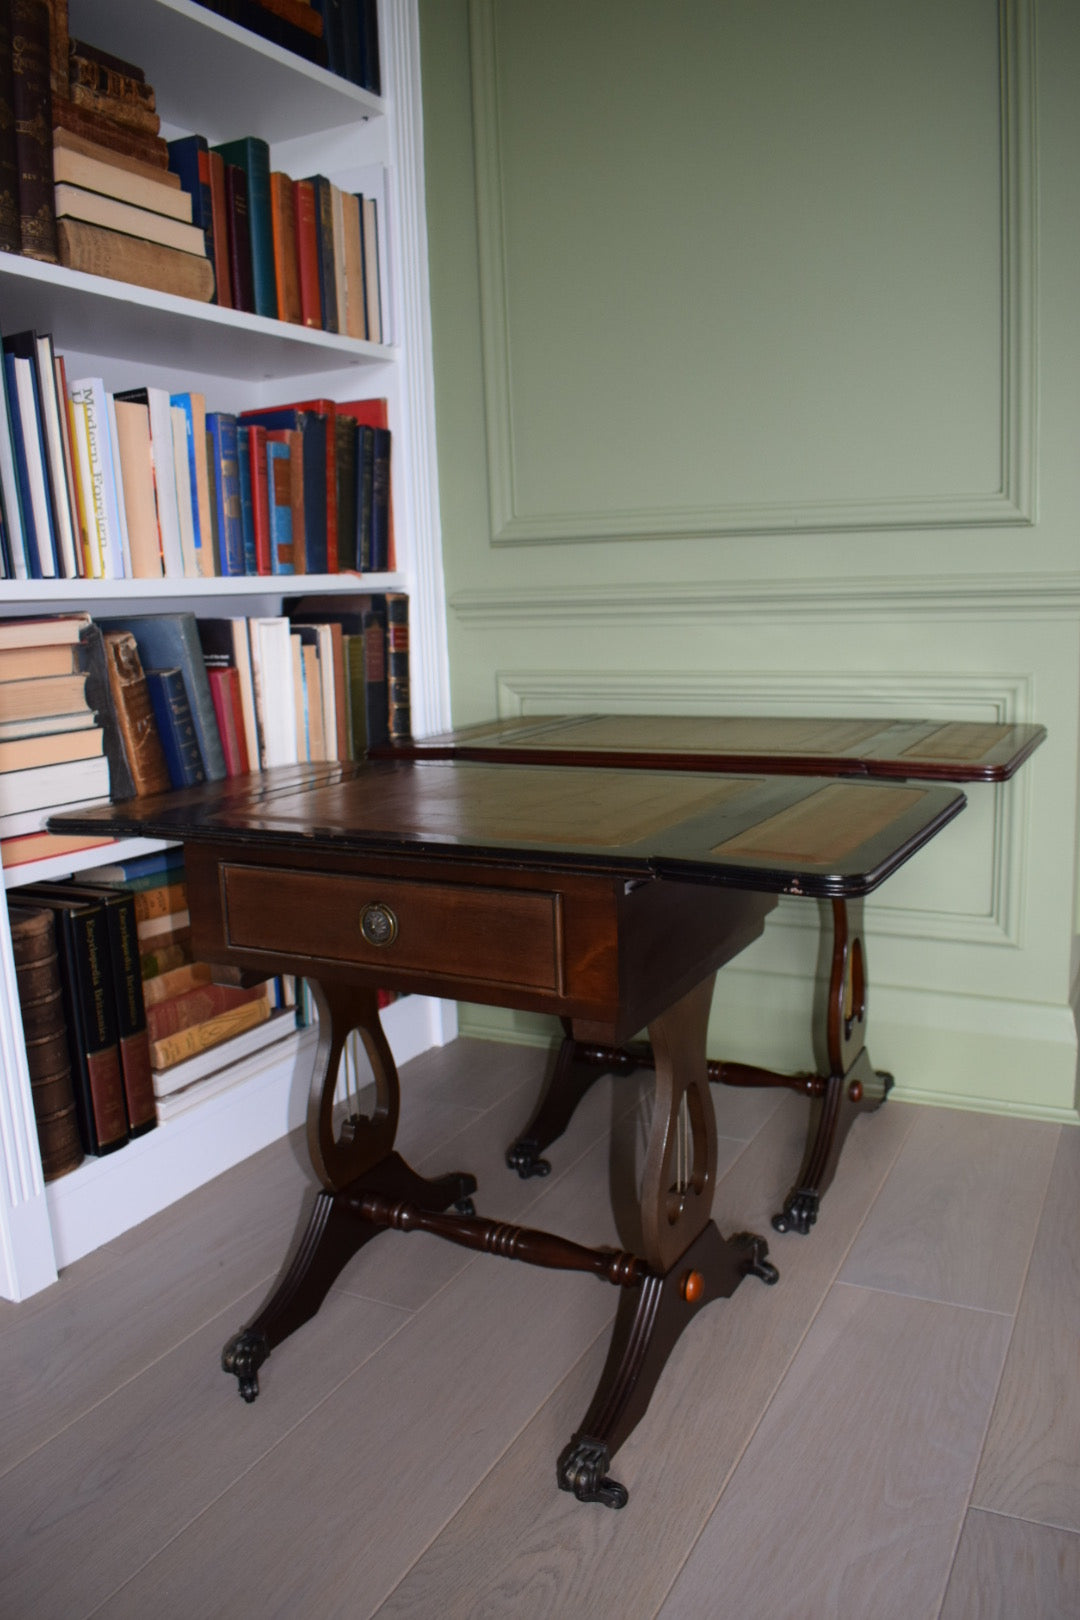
[845,1082]
[609,898]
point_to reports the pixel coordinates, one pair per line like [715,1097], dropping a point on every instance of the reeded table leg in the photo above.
[357,1162]
[689,1262]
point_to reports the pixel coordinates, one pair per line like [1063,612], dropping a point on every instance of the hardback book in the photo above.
[106,59]
[356,323]
[9,164]
[373,413]
[101,697]
[46,846]
[73,202]
[104,131]
[133,185]
[189,163]
[43,696]
[251,154]
[22,663]
[372,182]
[286,262]
[197,1005]
[185,498]
[144,871]
[39,348]
[307,254]
[163,456]
[168,926]
[30,465]
[275,695]
[369,229]
[125,981]
[41,787]
[175,981]
[171,641]
[90,1013]
[102,495]
[97,71]
[217,238]
[31,100]
[118,486]
[314,420]
[59,47]
[69,140]
[398,684]
[363,620]
[192,1081]
[57,629]
[322,192]
[135,714]
[131,115]
[185,1043]
[238,234]
[41,1002]
[175,727]
[50,748]
[221,428]
[346,433]
[193,406]
[103,252]
[161,955]
[137,473]
[10,490]
[247,515]
[284,486]
[298,12]
[225,688]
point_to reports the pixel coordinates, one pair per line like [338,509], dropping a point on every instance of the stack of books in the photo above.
[120,212]
[342,35]
[52,740]
[141,483]
[306,251]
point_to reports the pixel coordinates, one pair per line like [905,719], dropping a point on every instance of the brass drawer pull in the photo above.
[378,924]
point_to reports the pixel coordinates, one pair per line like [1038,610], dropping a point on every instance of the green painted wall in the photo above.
[757,357]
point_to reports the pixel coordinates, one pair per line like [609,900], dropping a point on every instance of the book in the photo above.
[164,954]
[101,496]
[373,413]
[140,501]
[251,155]
[144,871]
[163,458]
[104,131]
[185,1043]
[275,695]
[191,1081]
[30,465]
[163,899]
[128,184]
[286,261]
[125,982]
[69,140]
[217,237]
[40,787]
[186,515]
[135,714]
[193,406]
[356,322]
[21,663]
[197,1005]
[90,1015]
[43,696]
[100,251]
[31,101]
[373,183]
[10,240]
[314,421]
[50,748]
[74,202]
[117,109]
[269,25]
[175,981]
[398,683]
[307,254]
[106,74]
[284,480]
[346,433]
[221,427]
[225,690]
[322,193]
[45,846]
[10,490]
[362,615]
[41,1003]
[238,237]
[55,630]
[52,435]
[175,727]
[156,930]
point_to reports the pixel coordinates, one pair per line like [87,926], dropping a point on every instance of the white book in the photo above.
[161,450]
[242,660]
[373,181]
[118,482]
[95,557]
[46,725]
[324,641]
[26,400]
[52,436]
[41,787]
[28,821]
[184,512]
[90,391]
[272,660]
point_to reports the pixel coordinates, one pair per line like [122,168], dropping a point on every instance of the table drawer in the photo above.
[501,936]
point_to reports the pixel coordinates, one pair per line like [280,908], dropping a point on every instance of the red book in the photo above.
[286,263]
[225,692]
[260,508]
[307,254]
[219,209]
[196,1006]
[326,408]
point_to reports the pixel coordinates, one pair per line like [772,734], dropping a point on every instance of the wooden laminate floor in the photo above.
[893,1430]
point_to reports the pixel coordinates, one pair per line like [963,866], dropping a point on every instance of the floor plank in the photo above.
[843,1515]
[1031,1461]
[1009,1569]
[957,1220]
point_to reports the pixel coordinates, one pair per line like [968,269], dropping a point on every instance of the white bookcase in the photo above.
[213,77]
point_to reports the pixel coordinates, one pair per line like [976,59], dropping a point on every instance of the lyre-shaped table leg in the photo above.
[690,1263]
[357,1160]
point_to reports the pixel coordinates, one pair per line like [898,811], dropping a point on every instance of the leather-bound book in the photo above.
[286,262]
[176,727]
[241,273]
[102,252]
[104,131]
[59,48]
[135,714]
[37,972]
[32,105]
[99,695]
[90,1014]
[9,167]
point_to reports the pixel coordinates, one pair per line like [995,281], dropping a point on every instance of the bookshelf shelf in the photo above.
[218,79]
[222,80]
[65,865]
[132,323]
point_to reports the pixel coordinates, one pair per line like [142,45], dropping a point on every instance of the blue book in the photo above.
[247,511]
[189,157]
[142,871]
[194,431]
[324,236]
[14,529]
[278,492]
[25,442]
[176,727]
[252,155]
[221,429]
[313,427]
[171,641]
